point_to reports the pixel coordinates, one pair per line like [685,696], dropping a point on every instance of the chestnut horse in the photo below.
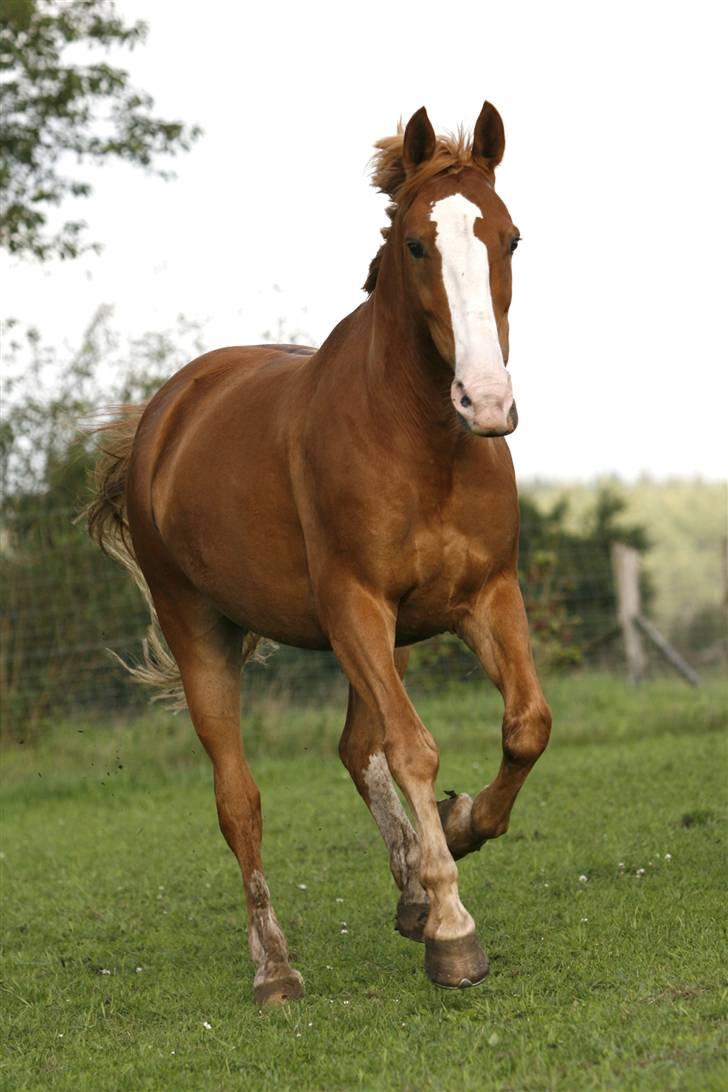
[359,497]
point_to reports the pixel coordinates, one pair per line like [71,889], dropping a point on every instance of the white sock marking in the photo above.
[399,837]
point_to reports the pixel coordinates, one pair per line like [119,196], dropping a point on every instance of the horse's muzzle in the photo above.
[494,422]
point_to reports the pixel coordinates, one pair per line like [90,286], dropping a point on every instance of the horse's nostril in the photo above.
[465,401]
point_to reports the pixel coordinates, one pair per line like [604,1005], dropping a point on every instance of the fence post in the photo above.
[626,568]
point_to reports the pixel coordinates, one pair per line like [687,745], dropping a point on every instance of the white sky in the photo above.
[614,172]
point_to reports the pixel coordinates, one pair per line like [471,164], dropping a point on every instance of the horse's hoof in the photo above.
[286,986]
[411,918]
[455,964]
[456,819]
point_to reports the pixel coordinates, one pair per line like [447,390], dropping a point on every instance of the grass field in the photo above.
[603,910]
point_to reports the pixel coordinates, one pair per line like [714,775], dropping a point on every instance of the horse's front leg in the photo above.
[361,629]
[362,751]
[497,631]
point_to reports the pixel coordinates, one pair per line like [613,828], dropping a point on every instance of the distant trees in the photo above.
[62,601]
[566,574]
[57,114]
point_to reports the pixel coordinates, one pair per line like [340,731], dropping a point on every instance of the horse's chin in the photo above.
[490,433]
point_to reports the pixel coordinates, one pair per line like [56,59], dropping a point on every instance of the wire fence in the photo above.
[64,605]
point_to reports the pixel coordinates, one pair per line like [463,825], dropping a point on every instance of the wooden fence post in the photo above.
[626,565]
[626,568]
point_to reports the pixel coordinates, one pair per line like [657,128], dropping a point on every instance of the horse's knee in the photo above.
[413,758]
[525,736]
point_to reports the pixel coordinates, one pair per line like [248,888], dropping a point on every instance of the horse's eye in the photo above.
[515,242]
[415,248]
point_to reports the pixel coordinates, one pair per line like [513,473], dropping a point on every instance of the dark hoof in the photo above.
[411,918]
[277,990]
[455,964]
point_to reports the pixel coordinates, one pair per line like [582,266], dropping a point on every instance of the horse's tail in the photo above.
[108,526]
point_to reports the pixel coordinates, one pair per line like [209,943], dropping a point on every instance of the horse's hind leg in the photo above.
[497,631]
[362,752]
[208,650]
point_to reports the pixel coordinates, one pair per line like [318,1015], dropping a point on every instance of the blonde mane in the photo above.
[388,175]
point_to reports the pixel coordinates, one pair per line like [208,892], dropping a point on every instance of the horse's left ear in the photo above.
[489,138]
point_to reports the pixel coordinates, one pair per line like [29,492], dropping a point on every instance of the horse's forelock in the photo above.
[388,175]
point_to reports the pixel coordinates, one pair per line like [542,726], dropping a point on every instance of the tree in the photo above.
[52,111]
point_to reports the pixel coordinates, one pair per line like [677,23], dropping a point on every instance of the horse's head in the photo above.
[452,238]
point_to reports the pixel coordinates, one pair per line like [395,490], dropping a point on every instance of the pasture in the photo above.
[603,910]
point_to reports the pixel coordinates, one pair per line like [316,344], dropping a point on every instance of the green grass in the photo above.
[112,861]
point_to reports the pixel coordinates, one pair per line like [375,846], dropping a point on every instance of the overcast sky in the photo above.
[614,172]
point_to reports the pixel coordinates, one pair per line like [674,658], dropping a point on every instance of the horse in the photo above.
[359,497]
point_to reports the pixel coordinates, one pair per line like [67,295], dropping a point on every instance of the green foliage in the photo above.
[54,112]
[686,564]
[566,574]
[112,861]
[63,601]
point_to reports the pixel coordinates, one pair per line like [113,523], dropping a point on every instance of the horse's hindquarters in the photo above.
[210,496]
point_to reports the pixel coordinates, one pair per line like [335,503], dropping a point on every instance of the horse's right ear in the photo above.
[419,141]
[397,156]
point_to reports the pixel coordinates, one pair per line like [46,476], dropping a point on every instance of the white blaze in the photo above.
[479,368]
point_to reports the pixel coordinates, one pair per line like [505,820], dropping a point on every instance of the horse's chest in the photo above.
[444,570]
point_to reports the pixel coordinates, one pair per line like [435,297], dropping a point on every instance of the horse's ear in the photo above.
[489,138]
[419,140]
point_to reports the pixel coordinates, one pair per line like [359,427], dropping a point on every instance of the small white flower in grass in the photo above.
[104,970]
[298,1034]
[138,970]
[585,919]
[302,886]
[620,866]
[583,878]
[339,900]
[345,1002]
[206,1025]
[668,856]
[547,885]
[344,932]
[640,872]
[493,1039]
[60,1034]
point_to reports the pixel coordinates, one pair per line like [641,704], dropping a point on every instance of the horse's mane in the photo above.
[452,152]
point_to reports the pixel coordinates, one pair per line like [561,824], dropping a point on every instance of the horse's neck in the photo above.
[404,371]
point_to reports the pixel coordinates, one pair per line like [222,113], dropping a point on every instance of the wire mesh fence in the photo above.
[64,605]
